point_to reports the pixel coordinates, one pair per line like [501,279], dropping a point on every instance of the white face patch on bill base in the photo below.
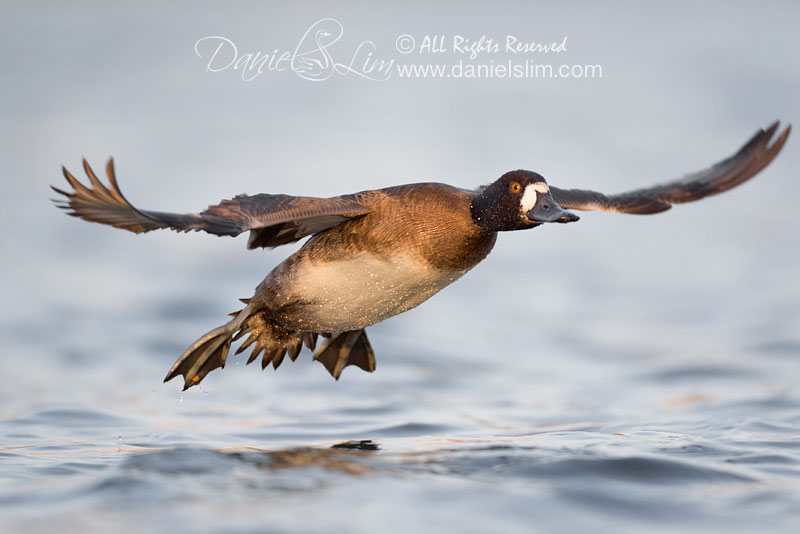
[529,197]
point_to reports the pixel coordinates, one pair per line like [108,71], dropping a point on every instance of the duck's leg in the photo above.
[209,352]
[337,350]
[346,348]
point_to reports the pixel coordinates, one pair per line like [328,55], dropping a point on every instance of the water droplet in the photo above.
[181,399]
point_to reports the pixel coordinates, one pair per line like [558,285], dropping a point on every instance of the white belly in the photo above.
[363,290]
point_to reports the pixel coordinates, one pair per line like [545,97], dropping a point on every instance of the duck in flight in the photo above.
[377,253]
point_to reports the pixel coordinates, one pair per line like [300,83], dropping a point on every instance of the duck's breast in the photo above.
[363,289]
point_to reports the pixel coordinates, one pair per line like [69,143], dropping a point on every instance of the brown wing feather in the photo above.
[271,219]
[756,154]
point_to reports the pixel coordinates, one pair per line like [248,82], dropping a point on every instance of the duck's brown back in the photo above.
[429,220]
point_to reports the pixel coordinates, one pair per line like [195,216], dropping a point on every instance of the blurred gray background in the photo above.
[691,315]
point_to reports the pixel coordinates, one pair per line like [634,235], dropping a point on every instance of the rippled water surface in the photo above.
[619,374]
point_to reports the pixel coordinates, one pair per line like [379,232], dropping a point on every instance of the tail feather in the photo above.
[294,350]
[270,339]
[310,340]
[272,355]
[278,358]
[247,342]
[252,358]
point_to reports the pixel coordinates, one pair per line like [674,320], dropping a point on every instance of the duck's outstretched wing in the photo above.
[756,154]
[271,219]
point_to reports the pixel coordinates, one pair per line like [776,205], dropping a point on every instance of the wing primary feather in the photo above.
[748,161]
[272,219]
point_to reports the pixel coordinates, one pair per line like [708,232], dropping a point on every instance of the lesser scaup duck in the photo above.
[377,253]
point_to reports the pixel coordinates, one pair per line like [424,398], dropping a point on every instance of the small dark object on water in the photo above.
[360,445]
[375,254]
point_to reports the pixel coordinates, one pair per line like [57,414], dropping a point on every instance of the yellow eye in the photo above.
[514,187]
